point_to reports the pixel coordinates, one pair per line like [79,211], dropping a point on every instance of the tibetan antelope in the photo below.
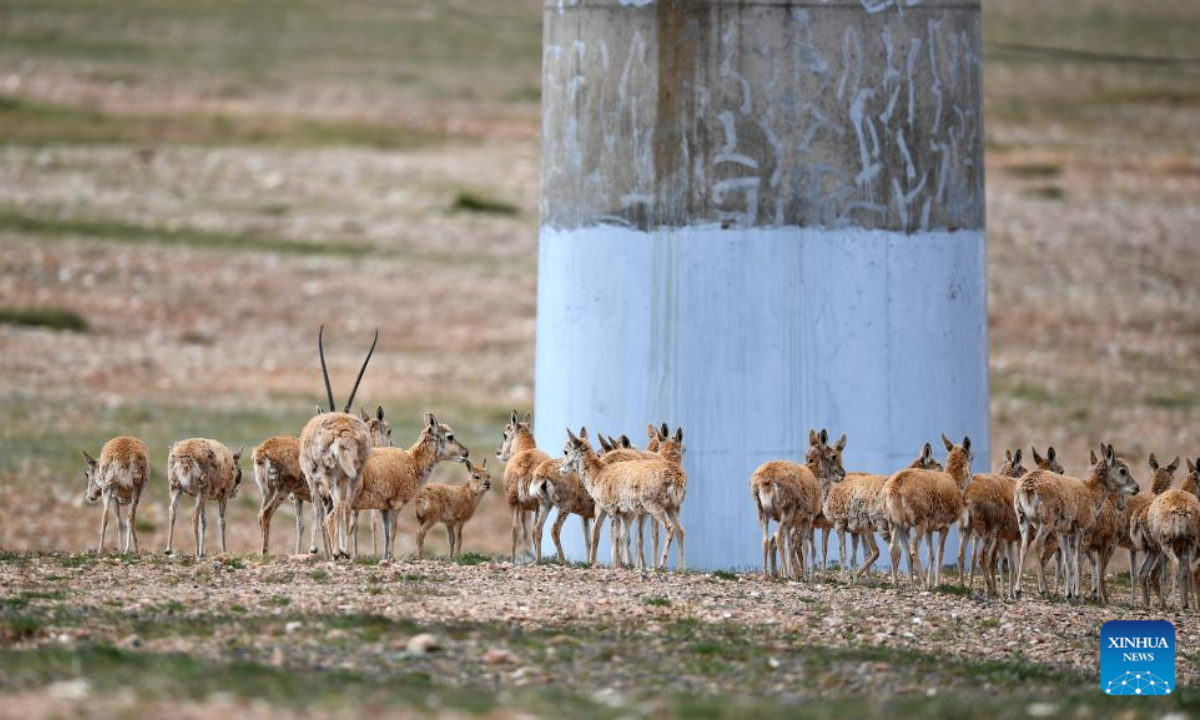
[855,505]
[656,486]
[334,447]
[392,477]
[1047,503]
[206,470]
[1173,523]
[451,505]
[988,523]
[521,457]
[792,495]
[919,503]
[119,477]
[1137,540]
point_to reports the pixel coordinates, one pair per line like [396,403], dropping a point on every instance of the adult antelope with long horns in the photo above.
[334,447]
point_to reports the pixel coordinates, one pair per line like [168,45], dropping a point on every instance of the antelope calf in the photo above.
[1173,522]
[451,505]
[119,477]
[392,477]
[334,447]
[919,503]
[521,457]
[1048,503]
[791,495]
[206,470]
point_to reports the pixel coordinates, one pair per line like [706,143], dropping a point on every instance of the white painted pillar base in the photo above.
[753,336]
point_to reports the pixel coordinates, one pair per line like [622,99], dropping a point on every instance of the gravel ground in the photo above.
[312,614]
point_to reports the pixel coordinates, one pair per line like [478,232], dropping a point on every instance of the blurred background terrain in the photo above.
[189,187]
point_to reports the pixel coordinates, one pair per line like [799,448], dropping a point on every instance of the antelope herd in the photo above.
[344,463]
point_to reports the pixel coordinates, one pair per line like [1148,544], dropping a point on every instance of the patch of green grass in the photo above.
[369,627]
[724,575]
[278,601]
[37,122]
[658,602]
[319,576]
[472,558]
[953,589]
[467,201]
[1178,401]
[45,317]
[77,560]
[181,676]
[107,230]
[20,627]
[1045,192]
[1036,171]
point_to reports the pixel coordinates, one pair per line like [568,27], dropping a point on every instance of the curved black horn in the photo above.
[357,380]
[324,370]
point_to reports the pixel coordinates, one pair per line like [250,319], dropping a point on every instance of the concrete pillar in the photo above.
[757,218]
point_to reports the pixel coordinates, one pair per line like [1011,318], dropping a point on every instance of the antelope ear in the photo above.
[824,436]
[664,432]
[926,451]
[1191,468]
[679,434]
[1174,465]
[841,443]
[583,432]
[812,437]
[483,466]
[626,442]
[470,468]
[512,419]
[1153,462]
[1092,456]
[90,460]
[570,435]
[1037,458]
[651,433]
[431,421]
[237,456]
[379,413]
[363,414]
[1008,456]
[946,441]
[528,418]
[966,446]
[1016,458]
[1051,454]
[604,444]
[1109,456]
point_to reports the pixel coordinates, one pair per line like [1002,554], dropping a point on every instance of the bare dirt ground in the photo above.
[199,184]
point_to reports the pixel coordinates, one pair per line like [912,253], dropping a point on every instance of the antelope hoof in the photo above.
[312,550]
